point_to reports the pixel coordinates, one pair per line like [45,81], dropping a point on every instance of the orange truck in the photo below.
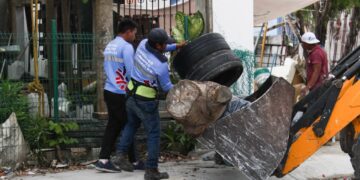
[264,138]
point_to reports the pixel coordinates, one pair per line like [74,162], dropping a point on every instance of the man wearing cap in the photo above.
[316,62]
[150,73]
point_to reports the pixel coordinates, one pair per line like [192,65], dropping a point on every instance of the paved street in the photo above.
[329,163]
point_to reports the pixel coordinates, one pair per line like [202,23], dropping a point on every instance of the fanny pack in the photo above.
[141,91]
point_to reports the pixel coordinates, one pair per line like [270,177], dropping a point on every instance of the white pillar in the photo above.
[234,19]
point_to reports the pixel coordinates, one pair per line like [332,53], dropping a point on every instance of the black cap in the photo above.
[158,35]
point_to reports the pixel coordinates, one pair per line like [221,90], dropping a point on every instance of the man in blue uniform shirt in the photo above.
[118,62]
[150,73]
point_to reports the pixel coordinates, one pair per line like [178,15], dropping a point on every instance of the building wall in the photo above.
[234,19]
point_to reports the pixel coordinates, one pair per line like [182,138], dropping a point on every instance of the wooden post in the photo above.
[12,11]
[103,24]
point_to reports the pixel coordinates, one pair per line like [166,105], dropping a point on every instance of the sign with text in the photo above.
[153,4]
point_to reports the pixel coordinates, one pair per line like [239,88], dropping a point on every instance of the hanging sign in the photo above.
[153,4]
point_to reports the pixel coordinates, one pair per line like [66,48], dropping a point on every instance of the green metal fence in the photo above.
[67,71]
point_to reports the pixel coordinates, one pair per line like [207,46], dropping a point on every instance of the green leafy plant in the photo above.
[59,130]
[34,129]
[12,100]
[36,134]
[195,26]
[44,133]
[39,132]
[177,140]
[187,28]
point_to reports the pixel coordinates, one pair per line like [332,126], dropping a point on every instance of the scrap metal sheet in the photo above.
[254,137]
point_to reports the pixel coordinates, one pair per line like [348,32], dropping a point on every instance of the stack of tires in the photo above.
[208,58]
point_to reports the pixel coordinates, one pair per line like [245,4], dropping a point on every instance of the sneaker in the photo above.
[154,174]
[139,165]
[107,167]
[123,163]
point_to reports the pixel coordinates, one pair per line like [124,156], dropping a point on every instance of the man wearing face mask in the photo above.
[118,62]
[150,73]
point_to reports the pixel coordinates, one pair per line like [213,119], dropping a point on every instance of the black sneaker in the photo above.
[107,167]
[139,165]
[154,174]
[123,163]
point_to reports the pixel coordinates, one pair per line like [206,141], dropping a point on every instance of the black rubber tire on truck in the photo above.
[355,158]
[347,139]
[208,58]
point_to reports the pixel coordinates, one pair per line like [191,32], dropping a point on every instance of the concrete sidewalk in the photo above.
[328,163]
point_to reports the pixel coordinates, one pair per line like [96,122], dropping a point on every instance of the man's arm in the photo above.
[128,60]
[170,47]
[164,78]
[315,76]
[175,46]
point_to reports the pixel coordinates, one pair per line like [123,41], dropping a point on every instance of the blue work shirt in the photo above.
[118,63]
[151,67]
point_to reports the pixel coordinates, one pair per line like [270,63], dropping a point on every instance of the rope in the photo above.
[36,86]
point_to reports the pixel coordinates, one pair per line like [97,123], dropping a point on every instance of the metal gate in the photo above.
[152,13]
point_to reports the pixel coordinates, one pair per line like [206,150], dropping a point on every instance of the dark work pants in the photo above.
[147,113]
[117,119]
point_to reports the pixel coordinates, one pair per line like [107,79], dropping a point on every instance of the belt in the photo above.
[141,91]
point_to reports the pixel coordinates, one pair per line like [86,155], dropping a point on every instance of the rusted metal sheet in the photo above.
[254,137]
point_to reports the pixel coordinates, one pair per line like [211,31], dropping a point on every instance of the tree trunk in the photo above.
[78,30]
[12,12]
[196,105]
[354,29]
[301,24]
[65,16]
[292,51]
[321,20]
[50,15]
[78,15]
[103,17]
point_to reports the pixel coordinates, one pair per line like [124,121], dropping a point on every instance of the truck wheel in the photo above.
[355,158]
[347,139]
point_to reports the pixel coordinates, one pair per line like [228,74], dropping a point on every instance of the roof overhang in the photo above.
[265,10]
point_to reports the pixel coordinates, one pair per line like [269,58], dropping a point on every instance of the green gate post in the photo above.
[55,68]
[186,28]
